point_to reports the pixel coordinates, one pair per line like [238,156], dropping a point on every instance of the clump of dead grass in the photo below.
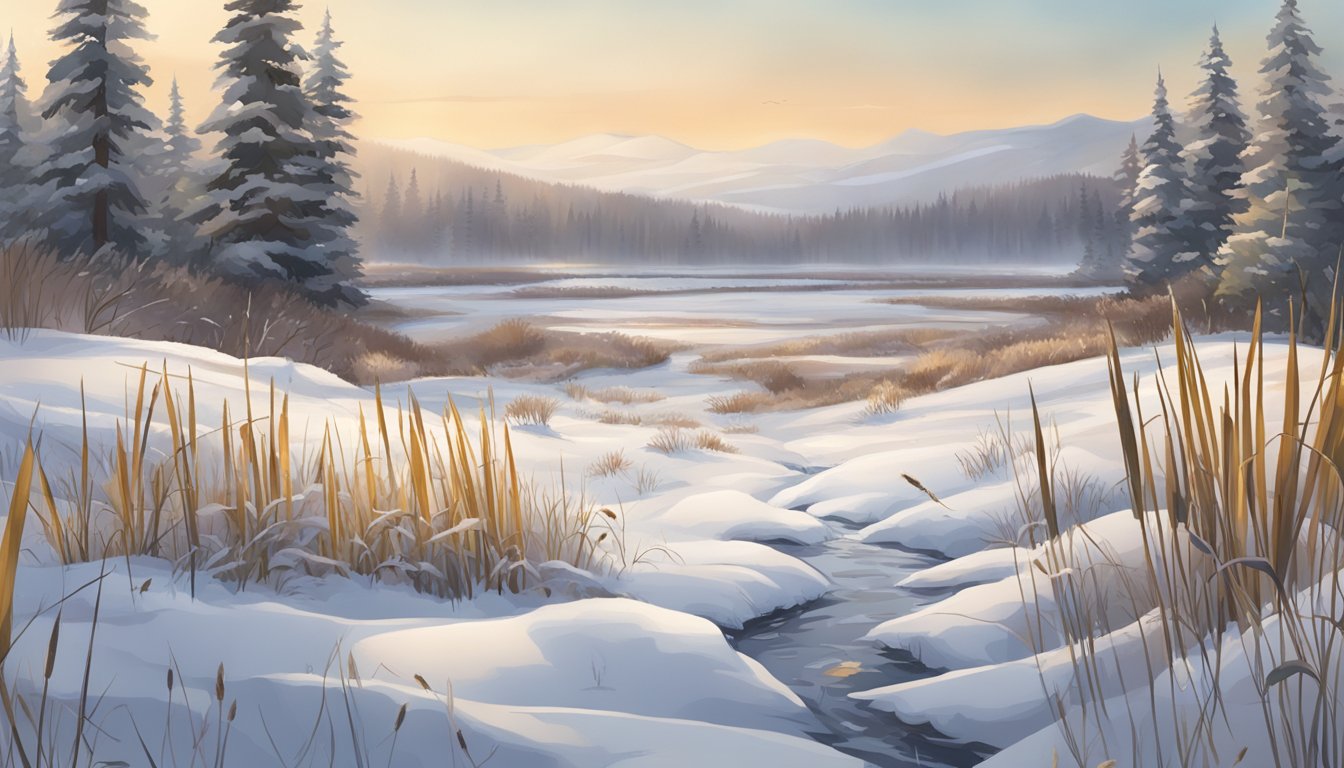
[671,440]
[520,349]
[535,410]
[739,402]
[613,463]
[438,506]
[609,395]
[380,367]
[885,398]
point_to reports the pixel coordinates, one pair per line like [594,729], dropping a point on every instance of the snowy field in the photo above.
[796,603]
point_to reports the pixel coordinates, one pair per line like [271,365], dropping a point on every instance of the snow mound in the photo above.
[733,515]
[594,655]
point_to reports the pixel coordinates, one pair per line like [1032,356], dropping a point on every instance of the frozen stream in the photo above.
[818,652]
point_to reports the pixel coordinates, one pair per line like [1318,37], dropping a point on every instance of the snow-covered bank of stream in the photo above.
[645,678]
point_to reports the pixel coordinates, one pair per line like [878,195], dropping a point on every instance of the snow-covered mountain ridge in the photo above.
[809,175]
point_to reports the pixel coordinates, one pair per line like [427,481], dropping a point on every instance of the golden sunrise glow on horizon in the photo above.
[718,75]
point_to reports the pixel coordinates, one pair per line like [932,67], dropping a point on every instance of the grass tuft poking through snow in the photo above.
[531,409]
[670,440]
[886,398]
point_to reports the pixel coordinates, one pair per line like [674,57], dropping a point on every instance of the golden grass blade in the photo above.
[11,545]
[1043,468]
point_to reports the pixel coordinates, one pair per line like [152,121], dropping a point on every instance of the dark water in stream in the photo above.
[800,646]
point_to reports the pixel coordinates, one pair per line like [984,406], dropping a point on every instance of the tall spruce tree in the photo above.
[93,96]
[264,216]
[413,215]
[393,218]
[16,171]
[1161,250]
[1287,240]
[325,88]
[181,184]
[1215,157]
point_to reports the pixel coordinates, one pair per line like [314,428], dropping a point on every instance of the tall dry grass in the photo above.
[435,504]
[1241,513]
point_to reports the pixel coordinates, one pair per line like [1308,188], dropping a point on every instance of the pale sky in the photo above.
[722,74]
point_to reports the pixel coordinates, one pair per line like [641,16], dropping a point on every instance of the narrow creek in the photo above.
[818,651]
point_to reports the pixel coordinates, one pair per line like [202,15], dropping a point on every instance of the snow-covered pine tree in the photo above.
[1286,243]
[16,171]
[325,88]
[1214,157]
[1093,251]
[180,184]
[264,214]
[392,223]
[413,215]
[1161,250]
[92,201]
[1127,179]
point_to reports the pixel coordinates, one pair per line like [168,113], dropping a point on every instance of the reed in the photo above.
[1240,512]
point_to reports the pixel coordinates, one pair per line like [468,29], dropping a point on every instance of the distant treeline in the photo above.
[443,212]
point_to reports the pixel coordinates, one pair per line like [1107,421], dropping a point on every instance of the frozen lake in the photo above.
[709,310]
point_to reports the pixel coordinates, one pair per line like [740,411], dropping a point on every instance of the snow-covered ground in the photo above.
[630,666]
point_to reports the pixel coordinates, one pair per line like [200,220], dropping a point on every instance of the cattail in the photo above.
[423,682]
[401,718]
[170,679]
[233,710]
[461,740]
[51,647]
[602,538]
[145,587]
[609,513]
[219,684]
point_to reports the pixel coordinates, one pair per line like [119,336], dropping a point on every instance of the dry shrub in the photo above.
[380,367]
[670,440]
[620,417]
[510,340]
[532,409]
[516,347]
[708,441]
[885,398]
[741,428]
[740,402]
[621,395]
[861,344]
[673,420]
[613,463]
[161,302]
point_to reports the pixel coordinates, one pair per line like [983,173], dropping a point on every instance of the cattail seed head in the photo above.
[51,648]
[401,718]
[170,678]
[423,682]
[233,710]
[219,684]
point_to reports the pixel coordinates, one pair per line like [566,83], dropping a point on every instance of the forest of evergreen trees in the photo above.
[441,211]
[89,172]
[1249,210]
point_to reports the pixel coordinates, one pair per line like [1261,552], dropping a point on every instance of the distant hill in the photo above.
[810,176]
[460,212]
